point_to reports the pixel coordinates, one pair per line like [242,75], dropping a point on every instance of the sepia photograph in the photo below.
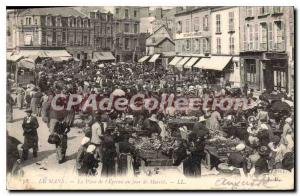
[150,98]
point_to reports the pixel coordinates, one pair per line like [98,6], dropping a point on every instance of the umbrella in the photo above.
[118,92]
[280,106]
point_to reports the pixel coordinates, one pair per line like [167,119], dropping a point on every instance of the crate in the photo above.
[149,154]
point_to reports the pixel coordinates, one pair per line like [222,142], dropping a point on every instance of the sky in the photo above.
[111,8]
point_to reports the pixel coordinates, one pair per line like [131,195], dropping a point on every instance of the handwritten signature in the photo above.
[261,181]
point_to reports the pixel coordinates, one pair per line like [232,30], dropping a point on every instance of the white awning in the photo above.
[103,56]
[57,53]
[26,63]
[214,63]
[11,57]
[33,54]
[175,60]
[202,62]
[182,61]
[191,62]
[143,59]
[61,58]
[153,58]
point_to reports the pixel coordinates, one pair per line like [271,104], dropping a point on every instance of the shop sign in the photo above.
[189,35]
[275,56]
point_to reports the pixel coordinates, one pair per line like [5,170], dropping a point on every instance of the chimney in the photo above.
[158,13]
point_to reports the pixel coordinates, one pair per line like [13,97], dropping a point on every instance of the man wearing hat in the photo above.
[196,145]
[30,125]
[108,151]
[261,164]
[237,159]
[62,129]
[200,128]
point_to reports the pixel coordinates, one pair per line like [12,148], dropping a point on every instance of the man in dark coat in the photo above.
[30,125]
[200,128]
[196,145]
[108,152]
[62,129]
[126,153]
[86,162]
[237,159]
[261,165]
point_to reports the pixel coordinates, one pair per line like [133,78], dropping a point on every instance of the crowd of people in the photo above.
[110,136]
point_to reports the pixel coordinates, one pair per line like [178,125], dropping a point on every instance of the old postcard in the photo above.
[150,98]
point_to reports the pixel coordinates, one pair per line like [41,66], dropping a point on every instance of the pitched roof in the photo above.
[161,41]
[62,11]
[170,34]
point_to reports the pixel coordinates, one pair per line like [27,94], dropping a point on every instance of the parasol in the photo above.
[280,106]
[118,92]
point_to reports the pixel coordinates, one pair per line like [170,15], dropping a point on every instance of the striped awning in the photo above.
[191,62]
[143,59]
[153,58]
[175,60]
[182,62]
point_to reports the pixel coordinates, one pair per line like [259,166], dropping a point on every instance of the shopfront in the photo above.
[266,71]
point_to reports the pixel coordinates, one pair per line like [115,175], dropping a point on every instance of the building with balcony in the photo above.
[126,34]
[192,36]
[225,41]
[102,33]
[60,28]
[51,29]
[266,47]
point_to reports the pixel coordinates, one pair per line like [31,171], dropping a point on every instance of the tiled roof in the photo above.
[62,11]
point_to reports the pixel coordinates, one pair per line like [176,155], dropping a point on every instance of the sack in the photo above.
[53,139]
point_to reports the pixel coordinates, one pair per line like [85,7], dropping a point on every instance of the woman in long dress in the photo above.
[214,121]
[20,97]
[9,107]
[34,100]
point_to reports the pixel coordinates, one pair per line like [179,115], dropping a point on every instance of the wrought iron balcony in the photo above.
[263,46]
[279,46]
